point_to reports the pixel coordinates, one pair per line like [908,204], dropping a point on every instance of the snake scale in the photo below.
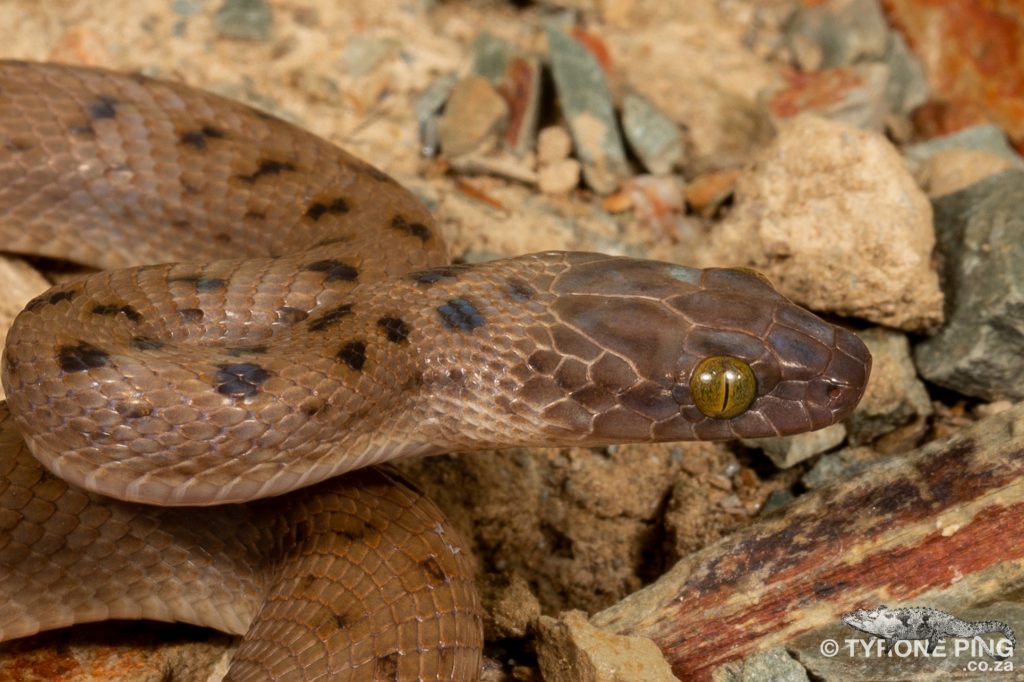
[273,312]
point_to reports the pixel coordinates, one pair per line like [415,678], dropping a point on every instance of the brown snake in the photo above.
[334,336]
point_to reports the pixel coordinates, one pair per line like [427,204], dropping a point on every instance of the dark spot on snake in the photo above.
[198,138]
[341,620]
[146,343]
[112,310]
[415,380]
[255,215]
[223,238]
[353,354]
[241,380]
[520,290]
[456,375]
[238,351]
[103,106]
[312,408]
[449,273]
[458,313]
[191,314]
[49,299]
[266,167]
[330,317]
[334,207]
[290,315]
[208,284]
[188,188]
[335,269]
[15,145]
[82,357]
[83,130]
[387,666]
[133,410]
[433,569]
[333,240]
[395,328]
[418,230]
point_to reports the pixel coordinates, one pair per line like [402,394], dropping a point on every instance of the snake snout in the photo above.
[846,376]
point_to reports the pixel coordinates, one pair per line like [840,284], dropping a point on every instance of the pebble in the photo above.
[843,32]
[951,170]
[428,108]
[570,649]
[473,116]
[985,137]
[560,177]
[895,396]
[706,193]
[788,451]
[517,76]
[852,94]
[244,20]
[553,144]
[587,104]
[981,234]
[833,217]
[652,135]
[839,466]
[771,665]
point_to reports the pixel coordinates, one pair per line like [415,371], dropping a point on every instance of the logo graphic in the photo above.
[922,623]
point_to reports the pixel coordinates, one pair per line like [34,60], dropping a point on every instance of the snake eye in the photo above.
[723,386]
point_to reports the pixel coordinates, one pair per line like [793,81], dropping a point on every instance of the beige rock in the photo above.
[553,144]
[833,217]
[19,282]
[474,113]
[789,451]
[560,177]
[951,170]
[510,608]
[573,650]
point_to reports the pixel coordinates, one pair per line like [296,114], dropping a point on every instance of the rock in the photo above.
[772,665]
[981,234]
[844,32]
[791,450]
[517,77]
[651,134]
[839,466]
[907,88]
[429,106]
[491,56]
[364,53]
[951,170]
[560,177]
[19,282]
[831,215]
[474,113]
[553,144]
[511,608]
[895,395]
[572,650]
[852,94]
[244,20]
[587,104]
[986,138]
[706,193]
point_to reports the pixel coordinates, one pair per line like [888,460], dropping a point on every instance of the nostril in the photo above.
[835,394]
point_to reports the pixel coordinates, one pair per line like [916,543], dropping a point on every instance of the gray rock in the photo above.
[855,32]
[491,56]
[428,109]
[788,451]
[772,665]
[907,88]
[587,104]
[980,231]
[651,134]
[895,395]
[244,19]
[985,137]
[839,466]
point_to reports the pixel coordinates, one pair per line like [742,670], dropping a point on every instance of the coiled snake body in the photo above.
[308,325]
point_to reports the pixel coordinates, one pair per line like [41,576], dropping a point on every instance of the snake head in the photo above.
[653,351]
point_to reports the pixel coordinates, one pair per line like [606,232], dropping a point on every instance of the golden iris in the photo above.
[723,386]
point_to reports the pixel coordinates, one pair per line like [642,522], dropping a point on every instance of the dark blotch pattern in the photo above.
[208,284]
[267,167]
[319,209]
[520,290]
[112,309]
[433,569]
[191,314]
[81,357]
[49,299]
[336,270]
[146,343]
[103,106]
[395,328]
[460,314]
[198,138]
[449,273]
[387,667]
[240,380]
[245,350]
[418,230]
[353,354]
[330,317]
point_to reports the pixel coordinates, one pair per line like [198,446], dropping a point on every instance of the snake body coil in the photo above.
[306,323]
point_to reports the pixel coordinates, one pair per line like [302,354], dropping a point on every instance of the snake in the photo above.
[199,429]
